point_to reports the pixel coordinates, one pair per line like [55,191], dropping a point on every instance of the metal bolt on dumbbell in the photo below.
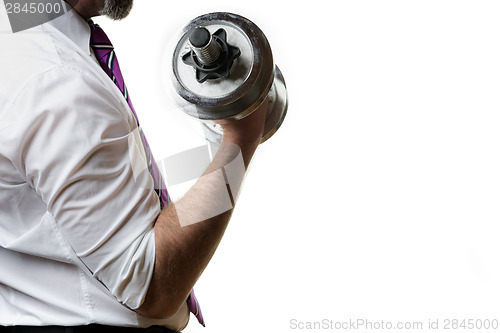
[223,69]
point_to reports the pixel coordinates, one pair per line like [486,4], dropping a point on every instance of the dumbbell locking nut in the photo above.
[204,46]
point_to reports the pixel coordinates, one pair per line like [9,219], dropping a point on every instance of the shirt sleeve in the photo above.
[76,144]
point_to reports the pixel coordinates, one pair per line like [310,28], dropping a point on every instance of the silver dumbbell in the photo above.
[223,69]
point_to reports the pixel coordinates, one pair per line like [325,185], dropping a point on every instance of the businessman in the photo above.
[85,240]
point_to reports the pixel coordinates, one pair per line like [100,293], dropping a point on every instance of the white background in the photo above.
[378,199]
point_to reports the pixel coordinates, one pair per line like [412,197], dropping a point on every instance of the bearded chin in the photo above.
[116,9]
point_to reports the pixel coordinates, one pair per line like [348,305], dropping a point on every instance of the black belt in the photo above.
[83,329]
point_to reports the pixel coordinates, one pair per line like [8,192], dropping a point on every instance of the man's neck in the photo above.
[86,8]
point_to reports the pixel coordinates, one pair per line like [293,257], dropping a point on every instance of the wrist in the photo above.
[246,145]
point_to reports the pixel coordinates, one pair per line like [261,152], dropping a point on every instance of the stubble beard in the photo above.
[116,9]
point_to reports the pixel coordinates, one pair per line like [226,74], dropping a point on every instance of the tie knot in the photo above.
[91,24]
[99,41]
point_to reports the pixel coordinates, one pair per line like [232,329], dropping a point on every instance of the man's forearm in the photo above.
[183,252]
[185,239]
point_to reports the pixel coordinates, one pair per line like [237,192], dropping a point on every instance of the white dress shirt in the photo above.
[76,224]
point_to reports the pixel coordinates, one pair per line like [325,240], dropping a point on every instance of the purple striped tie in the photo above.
[104,52]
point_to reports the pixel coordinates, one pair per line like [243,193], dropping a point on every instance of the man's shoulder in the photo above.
[24,56]
[27,55]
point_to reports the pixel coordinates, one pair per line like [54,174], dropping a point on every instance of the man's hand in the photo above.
[246,132]
[248,128]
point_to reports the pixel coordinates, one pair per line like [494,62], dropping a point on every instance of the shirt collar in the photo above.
[75,28]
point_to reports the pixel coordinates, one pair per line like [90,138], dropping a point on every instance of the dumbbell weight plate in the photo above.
[278,105]
[252,78]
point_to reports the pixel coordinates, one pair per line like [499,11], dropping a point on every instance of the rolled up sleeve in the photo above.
[80,154]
